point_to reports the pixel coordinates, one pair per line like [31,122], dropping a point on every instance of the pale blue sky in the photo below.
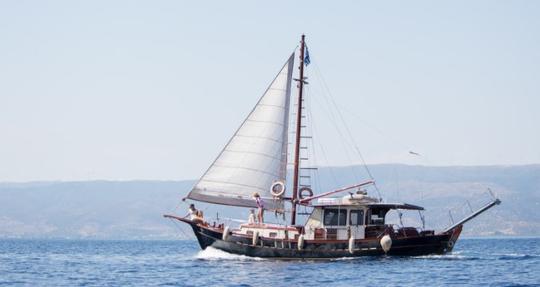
[153,89]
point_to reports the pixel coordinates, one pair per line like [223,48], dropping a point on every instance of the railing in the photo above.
[496,201]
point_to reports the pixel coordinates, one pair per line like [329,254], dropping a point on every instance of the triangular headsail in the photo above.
[256,156]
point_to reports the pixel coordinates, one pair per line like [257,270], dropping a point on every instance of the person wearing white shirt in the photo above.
[251,218]
[192,212]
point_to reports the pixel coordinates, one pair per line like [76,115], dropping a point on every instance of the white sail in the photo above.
[256,156]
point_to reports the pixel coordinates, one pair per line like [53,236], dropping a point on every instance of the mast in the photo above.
[298,133]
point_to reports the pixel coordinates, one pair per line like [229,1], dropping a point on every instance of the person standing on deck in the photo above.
[260,207]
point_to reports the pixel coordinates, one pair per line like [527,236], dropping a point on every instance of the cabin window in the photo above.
[377,216]
[356,217]
[333,217]
[273,234]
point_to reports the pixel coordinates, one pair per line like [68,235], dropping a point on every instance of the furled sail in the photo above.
[256,156]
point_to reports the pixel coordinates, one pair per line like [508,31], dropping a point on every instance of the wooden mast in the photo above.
[294,199]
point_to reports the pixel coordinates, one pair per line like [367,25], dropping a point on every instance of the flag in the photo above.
[307,61]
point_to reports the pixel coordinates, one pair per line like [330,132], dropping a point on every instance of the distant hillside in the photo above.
[133,209]
[100,209]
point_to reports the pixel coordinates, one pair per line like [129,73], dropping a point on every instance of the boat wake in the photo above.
[211,253]
[515,256]
[450,256]
[344,258]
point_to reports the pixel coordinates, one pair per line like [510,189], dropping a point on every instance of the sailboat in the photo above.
[255,161]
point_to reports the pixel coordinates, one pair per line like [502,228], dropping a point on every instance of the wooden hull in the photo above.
[323,249]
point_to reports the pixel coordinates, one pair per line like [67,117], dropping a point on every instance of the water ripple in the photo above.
[477,262]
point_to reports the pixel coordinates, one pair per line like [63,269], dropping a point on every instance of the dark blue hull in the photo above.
[321,249]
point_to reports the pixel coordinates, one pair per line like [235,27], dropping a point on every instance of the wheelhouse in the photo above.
[341,220]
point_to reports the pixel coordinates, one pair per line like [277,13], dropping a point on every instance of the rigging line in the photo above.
[316,180]
[344,140]
[315,132]
[422,155]
[178,205]
[177,226]
[333,102]
[346,128]
[330,168]
[373,127]
[404,145]
[309,130]
[334,121]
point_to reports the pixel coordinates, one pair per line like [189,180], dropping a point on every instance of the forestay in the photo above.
[256,156]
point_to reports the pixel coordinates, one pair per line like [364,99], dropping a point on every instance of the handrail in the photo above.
[496,201]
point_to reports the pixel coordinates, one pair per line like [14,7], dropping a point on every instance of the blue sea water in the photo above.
[478,262]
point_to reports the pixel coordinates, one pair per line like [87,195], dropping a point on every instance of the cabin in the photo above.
[355,215]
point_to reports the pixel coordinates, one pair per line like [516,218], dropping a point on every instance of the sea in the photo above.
[474,262]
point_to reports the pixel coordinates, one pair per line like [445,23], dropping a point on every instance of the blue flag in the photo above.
[307,61]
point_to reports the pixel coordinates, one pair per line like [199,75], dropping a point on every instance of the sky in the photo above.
[124,90]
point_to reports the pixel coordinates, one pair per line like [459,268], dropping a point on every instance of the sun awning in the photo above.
[396,206]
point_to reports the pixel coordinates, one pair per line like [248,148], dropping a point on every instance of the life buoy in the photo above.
[277,189]
[303,190]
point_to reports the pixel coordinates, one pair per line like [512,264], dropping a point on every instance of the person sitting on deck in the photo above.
[251,218]
[199,217]
[260,207]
